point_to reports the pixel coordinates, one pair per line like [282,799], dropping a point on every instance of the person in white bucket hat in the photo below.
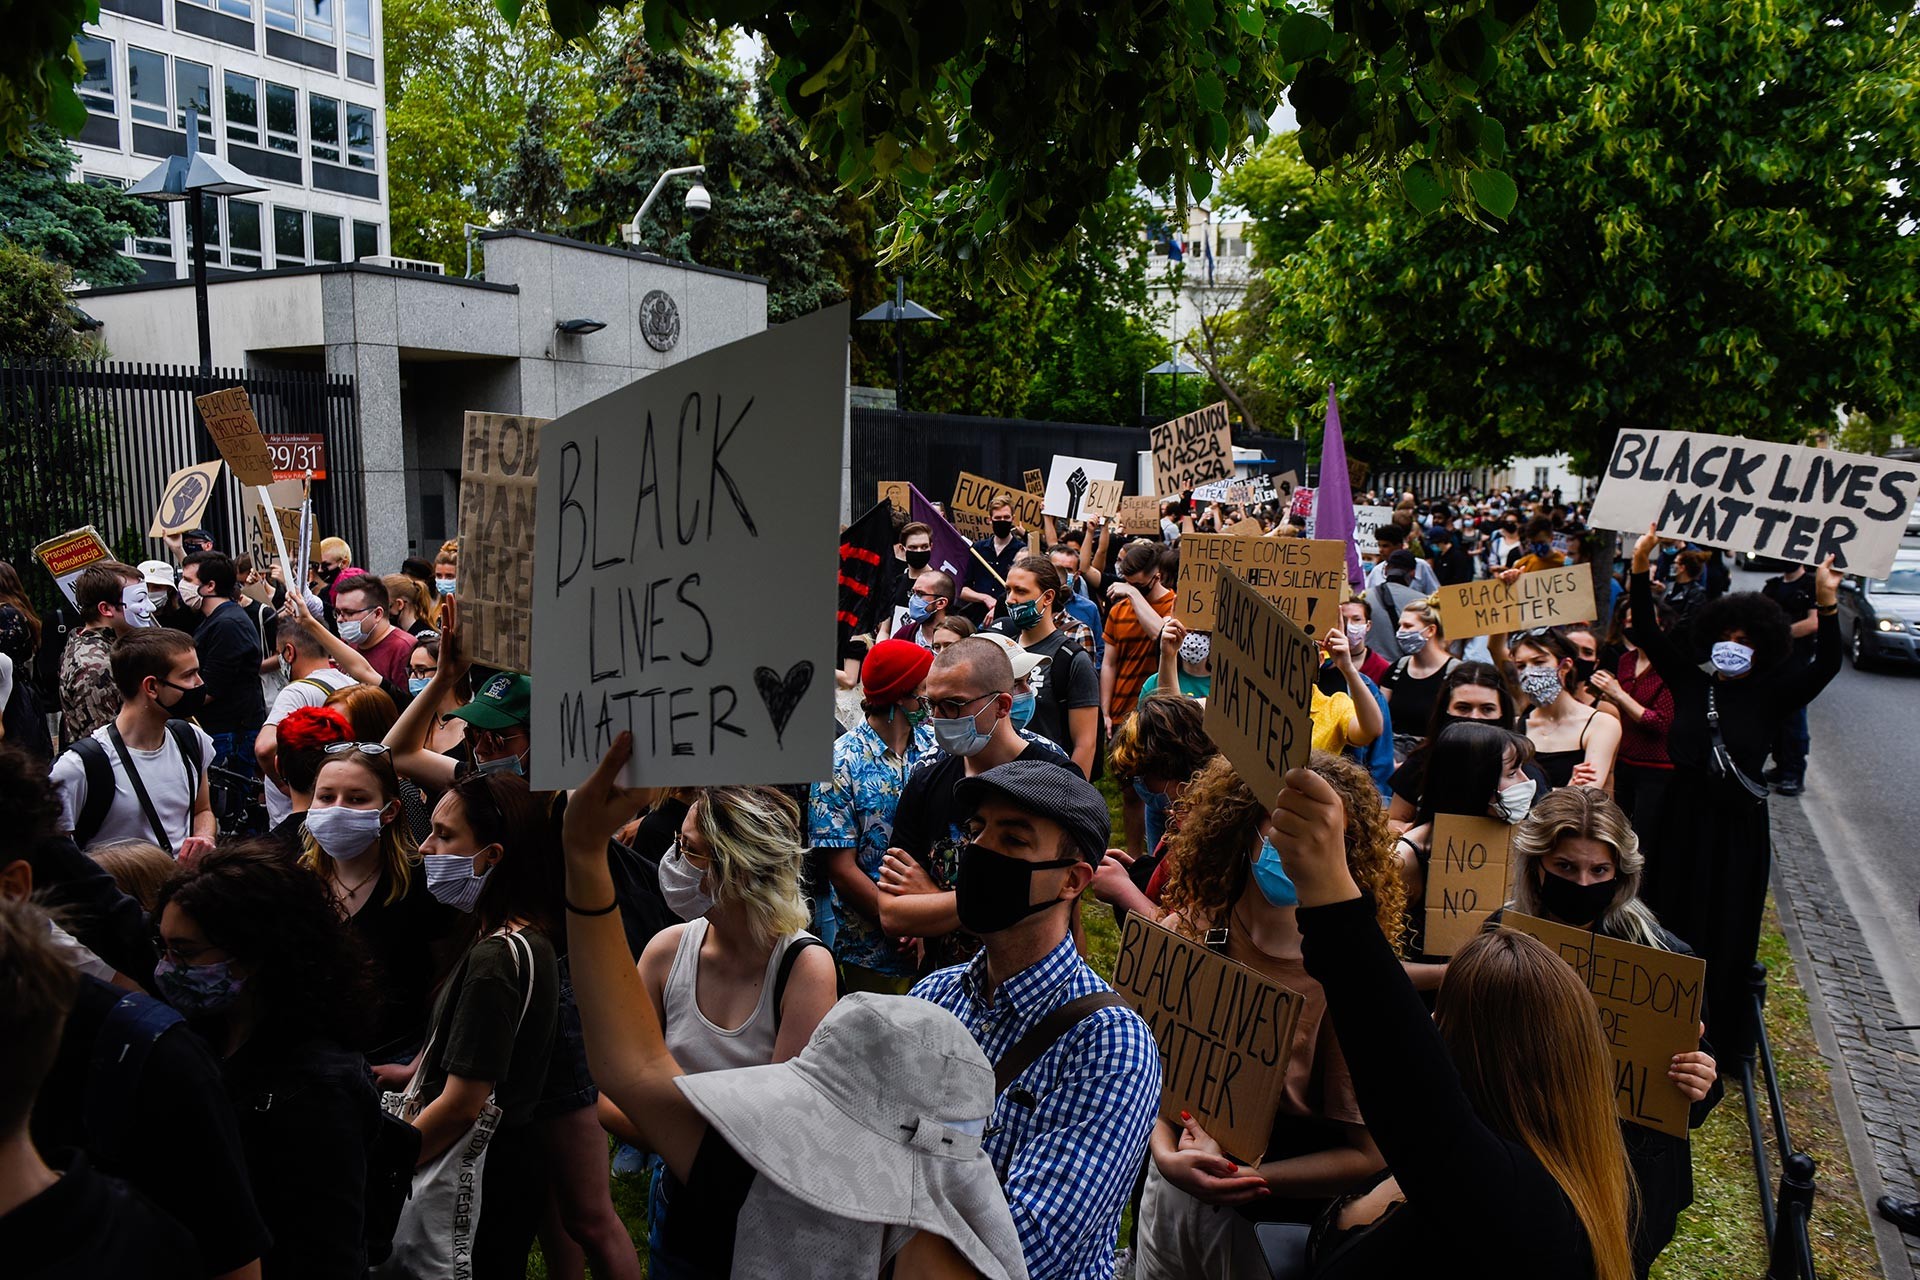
[859,1157]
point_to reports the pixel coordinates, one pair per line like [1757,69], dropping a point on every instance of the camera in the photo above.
[698,203]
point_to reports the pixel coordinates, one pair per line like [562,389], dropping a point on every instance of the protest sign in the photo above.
[1650,1003]
[229,418]
[1259,710]
[1036,481]
[1466,878]
[1301,508]
[186,496]
[273,519]
[1542,598]
[1067,484]
[1103,498]
[1140,513]
[1191,450]
[1283,486]
[898,492]
[298,457]
[499,475]
[69,555]
[973,499]
[1245,490]
[1305,578]
[1224,1032]
[1365,521]
[1783,501]
[1245,527]
[686,530]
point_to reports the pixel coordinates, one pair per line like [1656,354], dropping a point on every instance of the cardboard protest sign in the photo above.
[1067,484]
[1247,489]
[1783,501]
[1245,527]
[1191,450]
[69,555]
[279,513]
[1036,481]
[1543,598]
[1259,710]
[1466,878]
[1305,578]
[229,418]
[1224,1032]
[499,475]
[185,499]
[898,492]
[1140,513]
[1283,486]
[686,531]
[1650,1003]
[1103,498]
[1365,521]
[973,499]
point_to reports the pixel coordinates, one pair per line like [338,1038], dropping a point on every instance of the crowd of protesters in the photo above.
[299,978]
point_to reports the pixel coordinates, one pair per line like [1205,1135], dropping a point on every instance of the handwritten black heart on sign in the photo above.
[782,696]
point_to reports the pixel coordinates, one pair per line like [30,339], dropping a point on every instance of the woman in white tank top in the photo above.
[734,876]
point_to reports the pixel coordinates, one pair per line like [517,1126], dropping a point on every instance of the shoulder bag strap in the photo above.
[785,971]
[1030,1047]
[160,835]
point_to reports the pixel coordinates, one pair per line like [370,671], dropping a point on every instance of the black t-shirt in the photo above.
[401,937]
[88,1224]
[181,1146]
[928,812]
[1413,696]
[1065,683]
[228,645]
[703,1216]
[1796,600]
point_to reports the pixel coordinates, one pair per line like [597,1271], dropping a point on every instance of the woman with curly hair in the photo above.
[1732,687]
[1161,746]
[1227,886]
[261,965]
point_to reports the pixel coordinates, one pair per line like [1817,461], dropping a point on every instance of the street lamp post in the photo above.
[901,310]
[1173,369]
[191,178]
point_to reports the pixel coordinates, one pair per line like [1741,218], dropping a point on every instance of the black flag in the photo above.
[867,569]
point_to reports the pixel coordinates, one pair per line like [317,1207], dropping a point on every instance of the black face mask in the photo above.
[917,560]
[1583,669]
[189,703]
[994,892]
[329,571]
[1003,528]
[1579,904]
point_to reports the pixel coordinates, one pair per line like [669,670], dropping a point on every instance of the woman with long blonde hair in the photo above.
[1226,887]
[741,983]
[1577,861]
[1509,1085]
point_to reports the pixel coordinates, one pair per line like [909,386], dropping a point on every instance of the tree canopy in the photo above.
[1713,236]
[80,225]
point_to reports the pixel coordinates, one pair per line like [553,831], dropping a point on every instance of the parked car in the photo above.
[1880,617]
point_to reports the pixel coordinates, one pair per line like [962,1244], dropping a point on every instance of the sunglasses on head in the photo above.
[364,748]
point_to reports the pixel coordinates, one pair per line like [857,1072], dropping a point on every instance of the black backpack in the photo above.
[100,784]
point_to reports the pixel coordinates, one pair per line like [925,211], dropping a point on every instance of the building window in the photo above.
[358,21]
[289,237]
[243,234]
[366,240]
[193,87]
[147,86]
[323,128]
[210,229]
[326,238]
[359,136]
[283,118]
[284,14]
[96,86]
[310,18]
[243,109]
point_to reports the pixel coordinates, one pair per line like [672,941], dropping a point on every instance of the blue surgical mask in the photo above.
[351,631]
[443,585]
[961,736]
[505,764]
[1022,709]
[918,610]
[198,990]
[1275,885]
[417,685]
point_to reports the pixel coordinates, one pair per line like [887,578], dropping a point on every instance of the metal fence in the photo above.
[93,442]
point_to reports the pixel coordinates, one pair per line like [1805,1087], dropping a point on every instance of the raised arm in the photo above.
[408,737]
[344,655]
[1803,684]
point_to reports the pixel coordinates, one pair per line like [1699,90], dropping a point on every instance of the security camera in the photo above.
[699,203]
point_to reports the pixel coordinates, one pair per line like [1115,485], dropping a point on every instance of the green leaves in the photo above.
[1576,19]
[1303,36]
[1423,190]
[1494,190]
[1209,92]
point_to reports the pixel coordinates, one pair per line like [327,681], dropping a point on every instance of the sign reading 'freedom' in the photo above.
[1783,501]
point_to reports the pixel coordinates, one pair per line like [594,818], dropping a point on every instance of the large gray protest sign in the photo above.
[1782,501]
[685,567]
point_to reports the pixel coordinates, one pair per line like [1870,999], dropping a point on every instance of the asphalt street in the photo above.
[1863,801]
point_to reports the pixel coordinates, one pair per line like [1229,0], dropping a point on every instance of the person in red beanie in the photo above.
[304,736]
[850,817]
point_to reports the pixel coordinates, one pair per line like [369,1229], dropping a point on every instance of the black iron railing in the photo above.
[1785,1212]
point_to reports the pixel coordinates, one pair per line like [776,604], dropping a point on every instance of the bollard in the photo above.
[1791,1255]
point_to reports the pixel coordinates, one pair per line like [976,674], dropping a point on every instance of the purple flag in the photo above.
[1333,494]
[950,554]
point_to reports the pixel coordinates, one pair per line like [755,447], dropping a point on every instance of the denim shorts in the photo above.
[569,1085]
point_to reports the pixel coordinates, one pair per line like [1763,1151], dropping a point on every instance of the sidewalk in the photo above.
[1875,1072]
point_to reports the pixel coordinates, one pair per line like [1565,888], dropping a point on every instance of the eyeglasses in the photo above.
[351,614]
[954,708]
[422,671]
[364,748]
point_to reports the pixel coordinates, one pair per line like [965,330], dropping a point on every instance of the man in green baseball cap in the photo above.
[496,719]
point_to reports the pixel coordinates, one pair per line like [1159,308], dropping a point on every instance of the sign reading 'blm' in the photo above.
[1466,878]
[1543,598]
[685,580]
[1224,1033]
[1259,710]
[499,476]
[1782,501]
[1191,450]
[1649,1003]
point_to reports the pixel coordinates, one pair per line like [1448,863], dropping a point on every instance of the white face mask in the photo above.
[680,885]
[452,880]
[1513,803]
[344,833]
[1731,658]
[351,631]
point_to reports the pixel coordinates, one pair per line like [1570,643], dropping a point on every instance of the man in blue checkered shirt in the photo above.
[1069,1129]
